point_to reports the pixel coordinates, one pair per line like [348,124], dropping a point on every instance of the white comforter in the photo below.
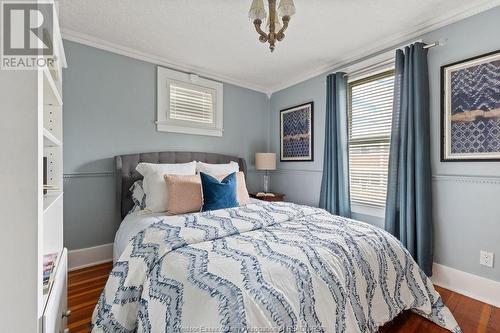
[265,267]
[131,225]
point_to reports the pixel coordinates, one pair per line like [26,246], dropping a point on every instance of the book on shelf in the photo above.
[49,265]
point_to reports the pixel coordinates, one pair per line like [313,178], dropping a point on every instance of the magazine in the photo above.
[49,264]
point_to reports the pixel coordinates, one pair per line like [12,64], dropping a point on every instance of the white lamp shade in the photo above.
[286,8]
[265,161]
[257,10]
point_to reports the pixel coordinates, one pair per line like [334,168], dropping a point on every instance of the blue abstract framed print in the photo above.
[470,109]
[296,133]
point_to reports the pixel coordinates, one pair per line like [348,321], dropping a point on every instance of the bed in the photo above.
[262,267]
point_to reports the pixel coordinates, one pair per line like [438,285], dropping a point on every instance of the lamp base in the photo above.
[266,182]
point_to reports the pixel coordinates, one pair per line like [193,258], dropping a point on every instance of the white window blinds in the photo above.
[191,103]
[370,118]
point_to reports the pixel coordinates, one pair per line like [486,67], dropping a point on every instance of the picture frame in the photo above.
[297,133]
[470,109]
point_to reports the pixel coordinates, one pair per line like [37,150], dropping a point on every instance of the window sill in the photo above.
[368,210]
[162,127]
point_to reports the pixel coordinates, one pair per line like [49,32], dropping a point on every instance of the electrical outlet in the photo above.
[486,258]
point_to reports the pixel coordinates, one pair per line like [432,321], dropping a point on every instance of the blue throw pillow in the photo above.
[218,195]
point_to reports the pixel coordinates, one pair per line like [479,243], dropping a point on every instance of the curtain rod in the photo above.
[428,46]
[386,62]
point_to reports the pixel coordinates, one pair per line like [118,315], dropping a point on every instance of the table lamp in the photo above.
[266,162]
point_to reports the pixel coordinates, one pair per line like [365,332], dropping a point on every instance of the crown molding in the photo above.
[383,45]
[98,43]
[391,43]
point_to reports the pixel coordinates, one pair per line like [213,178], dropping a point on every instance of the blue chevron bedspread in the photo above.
[264,267]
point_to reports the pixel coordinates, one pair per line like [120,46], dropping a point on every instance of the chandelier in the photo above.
[275,30]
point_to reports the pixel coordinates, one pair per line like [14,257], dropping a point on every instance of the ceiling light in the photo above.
[274,30]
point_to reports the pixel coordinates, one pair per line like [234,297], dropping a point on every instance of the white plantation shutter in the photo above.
[191,103]
[370,118]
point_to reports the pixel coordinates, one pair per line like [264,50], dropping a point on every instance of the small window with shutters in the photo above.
[370,120]
[189,104]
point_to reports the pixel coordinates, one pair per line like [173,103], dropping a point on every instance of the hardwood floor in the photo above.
[472,316]
[85,286]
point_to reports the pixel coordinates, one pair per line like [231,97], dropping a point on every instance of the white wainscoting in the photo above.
[90,256]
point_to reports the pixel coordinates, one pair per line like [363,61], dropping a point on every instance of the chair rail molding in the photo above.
[472,179]
[89,174]
[298,171]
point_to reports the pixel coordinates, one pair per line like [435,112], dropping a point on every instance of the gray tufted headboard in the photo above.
[126,174]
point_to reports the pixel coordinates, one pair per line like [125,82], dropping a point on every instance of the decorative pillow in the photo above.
[215,170]
[138,196]
[218,194]
[241,188]
[184,194]
[154,183]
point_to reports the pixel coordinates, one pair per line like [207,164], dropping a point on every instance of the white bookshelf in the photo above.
[52,305]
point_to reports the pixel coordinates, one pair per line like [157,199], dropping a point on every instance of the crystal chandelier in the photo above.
[275,30]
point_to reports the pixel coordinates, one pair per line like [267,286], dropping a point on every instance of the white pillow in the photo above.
[138,196]
[154,183]
[217,169]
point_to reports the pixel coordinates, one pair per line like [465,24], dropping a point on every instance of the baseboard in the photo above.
[90,256]
[477,287]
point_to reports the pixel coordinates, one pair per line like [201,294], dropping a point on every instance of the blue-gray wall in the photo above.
[110,109]
[466,195]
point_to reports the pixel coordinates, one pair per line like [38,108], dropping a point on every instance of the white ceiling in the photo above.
[216,38]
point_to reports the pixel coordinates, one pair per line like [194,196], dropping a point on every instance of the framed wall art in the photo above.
[296,133]
[470,109]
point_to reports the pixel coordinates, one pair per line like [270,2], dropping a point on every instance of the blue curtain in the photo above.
[334,195]
[408,213]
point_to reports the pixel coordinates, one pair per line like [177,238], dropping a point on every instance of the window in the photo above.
[189,104]
[370,119]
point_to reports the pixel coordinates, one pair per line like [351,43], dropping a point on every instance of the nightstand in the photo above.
[277,197]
